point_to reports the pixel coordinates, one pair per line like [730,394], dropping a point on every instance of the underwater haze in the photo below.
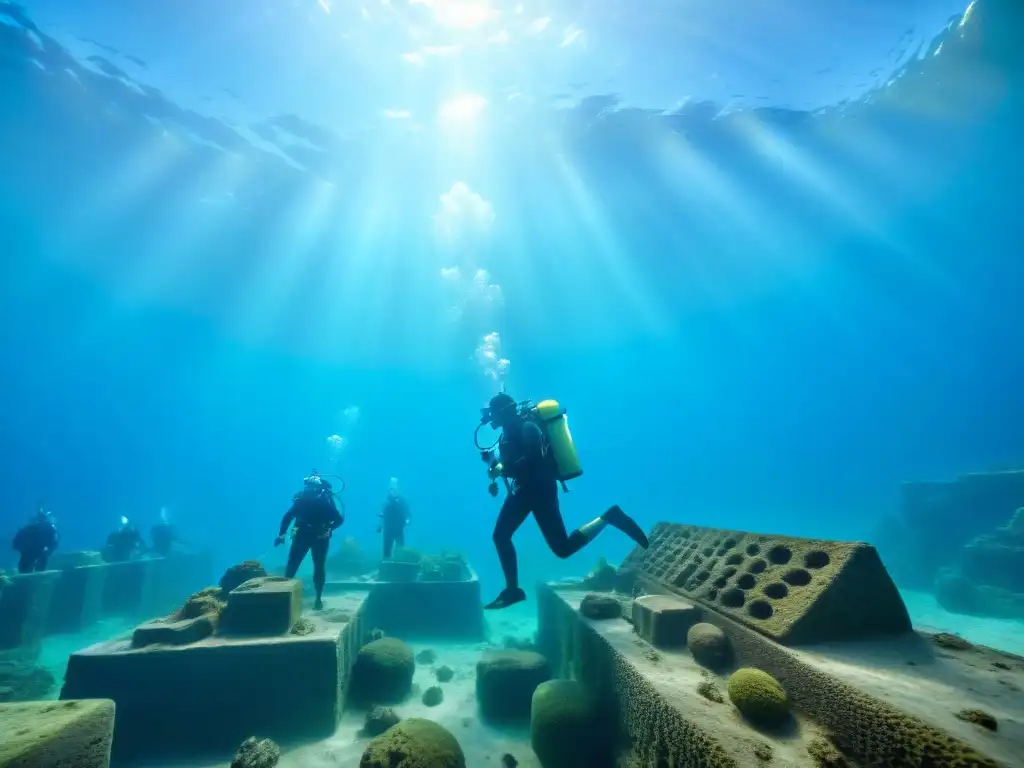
[767,256]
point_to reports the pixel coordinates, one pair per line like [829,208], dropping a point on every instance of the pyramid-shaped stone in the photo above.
[797,591]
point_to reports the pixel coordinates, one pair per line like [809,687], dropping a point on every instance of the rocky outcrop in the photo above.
[988,580]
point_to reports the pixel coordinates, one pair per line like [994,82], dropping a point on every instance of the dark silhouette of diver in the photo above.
[35,542]
[315,517]
[532,481]
[123,543]
[393,519]
[163,535]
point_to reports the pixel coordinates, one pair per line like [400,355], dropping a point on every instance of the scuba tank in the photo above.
[550,416]
[555,425]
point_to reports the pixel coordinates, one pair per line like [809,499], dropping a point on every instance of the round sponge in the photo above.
[414,743]
[709,645]
[564,728]
[758,695]
[383,670]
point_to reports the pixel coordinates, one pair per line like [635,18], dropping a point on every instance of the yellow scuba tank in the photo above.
[556,428]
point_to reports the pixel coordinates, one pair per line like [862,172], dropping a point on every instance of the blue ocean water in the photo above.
[767,257]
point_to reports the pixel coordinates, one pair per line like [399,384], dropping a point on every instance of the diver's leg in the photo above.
[319,553]
[296,554]
[616,518]
[513,513]
[389,542]
[41,562]
[549,519]
[400,538]
[25,563]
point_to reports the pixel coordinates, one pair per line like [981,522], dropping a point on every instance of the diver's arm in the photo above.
[336,518]
[286,520]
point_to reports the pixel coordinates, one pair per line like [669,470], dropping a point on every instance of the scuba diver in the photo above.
[36,541]
[316,517]
[123,543]
[163,534]
[394,517]
[535,454]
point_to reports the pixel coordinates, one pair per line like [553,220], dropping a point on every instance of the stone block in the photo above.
[428,609]
[167,632]
[25,610]
[264,606]
[664,620]
[55,734]
[794,590]
[77,598]
[889,701]
[128,588]
[208,697]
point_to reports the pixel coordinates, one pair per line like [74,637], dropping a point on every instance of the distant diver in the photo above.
[123,543]
[394,517]
[36,541]
[163,534]
[535,455]
[316,517]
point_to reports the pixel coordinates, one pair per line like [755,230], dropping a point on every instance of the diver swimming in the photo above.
[535,454]
[315,517]
[123,542]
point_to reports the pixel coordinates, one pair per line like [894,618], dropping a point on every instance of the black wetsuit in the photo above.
[394,518]
[35,543]
[122,543]
[534,489]
[315,518]
[163,537]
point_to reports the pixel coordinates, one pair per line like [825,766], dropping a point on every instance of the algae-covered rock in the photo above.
[414,743]
[564,728]
[383,671]
[304,626]
[758,695]
[256,753]
[979,717]
[709,645]
[426,656]
[379,719]
[595,606]
[241,573]
[206,602]
[825,755]
[505,682]
[433,696]
[444,673]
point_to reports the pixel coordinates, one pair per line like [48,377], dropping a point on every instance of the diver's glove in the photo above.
[487,456]
[493,488]
[279,541]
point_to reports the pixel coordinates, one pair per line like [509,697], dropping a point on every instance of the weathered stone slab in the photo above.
[77,598]
[167,632]
[269,605]
[876,707]
[208,697]
[664,620]
[426,609]
[24,611]
[794,590]
[56,734]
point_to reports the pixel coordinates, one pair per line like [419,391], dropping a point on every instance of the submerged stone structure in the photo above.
[794,590]
[186,691]
[47,734]
[860,688]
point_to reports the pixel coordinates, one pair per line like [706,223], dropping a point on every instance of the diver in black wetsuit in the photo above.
[35,542]
[533,487]
[393,519]
[163,535]
[123,543]
[316,517]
